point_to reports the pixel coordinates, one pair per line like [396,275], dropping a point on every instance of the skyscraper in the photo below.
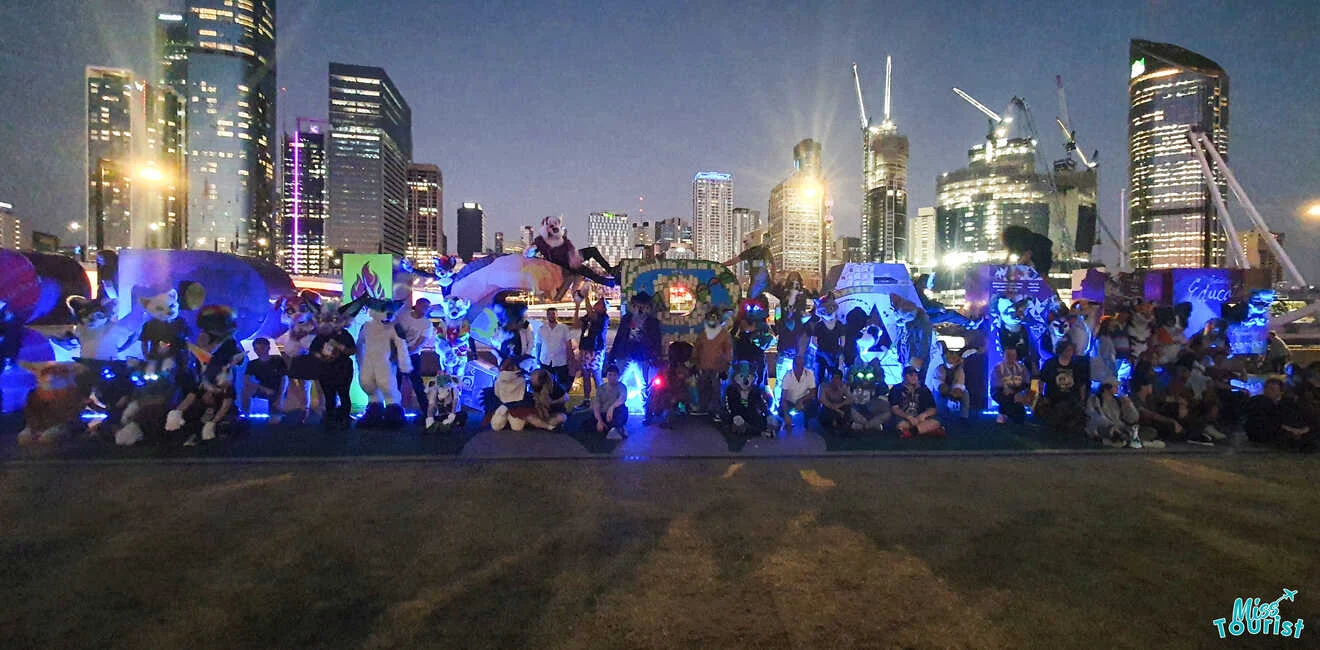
[673,239]
[370,146]
[11,228]
[884,183]
[426,226]
[1172,220]
[923,245]
[999,187]
[471,231]
[305,202]
[499,243]
[220,57]
[712,216]
[611,234]
[797,229]
[745,221]
[135,161]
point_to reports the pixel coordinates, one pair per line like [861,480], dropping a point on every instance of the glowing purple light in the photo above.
[297,192]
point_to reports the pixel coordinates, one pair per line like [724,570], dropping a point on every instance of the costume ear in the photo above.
[75,304]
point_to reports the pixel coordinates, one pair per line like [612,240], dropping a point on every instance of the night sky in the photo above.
[536,108]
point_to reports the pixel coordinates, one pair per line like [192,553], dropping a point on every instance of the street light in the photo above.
[1313,211]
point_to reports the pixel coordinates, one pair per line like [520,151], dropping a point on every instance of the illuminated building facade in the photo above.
[219,56]
[797,223]
[426,227]
[1172,221]
[884,210]
[923,244]
[136,177]
[673,239]
[499,243]
[471,231]
[999,187]
[11,228]
[712,216]
[305,203]
[370,147]
[611,234]
[1260,255]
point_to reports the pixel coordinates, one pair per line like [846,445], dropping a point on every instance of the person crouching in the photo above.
[746,404]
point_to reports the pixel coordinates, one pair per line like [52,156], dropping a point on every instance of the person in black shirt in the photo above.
[591,345]
[265,378]
[828,333]
[913,407]
[1066,380]
[333,348]
[1275,419]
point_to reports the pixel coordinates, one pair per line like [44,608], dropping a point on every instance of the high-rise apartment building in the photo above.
[11,228]
[426,227]
[745,221]
[306,205]
[219,55]
[370,147]
[923,241]
[884,184]
[797,225]
[499,243]
[712,216]
[673,239]
[1172,219]
[611,234]
[135,161]
[471,231]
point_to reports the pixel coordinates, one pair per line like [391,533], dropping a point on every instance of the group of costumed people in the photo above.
[1127,378]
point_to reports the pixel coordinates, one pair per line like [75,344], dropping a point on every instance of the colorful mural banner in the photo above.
[683,290]
[1014,305]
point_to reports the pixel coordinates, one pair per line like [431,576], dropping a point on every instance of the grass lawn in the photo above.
[1045,552]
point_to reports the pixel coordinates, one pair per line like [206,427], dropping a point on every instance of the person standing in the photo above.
[417,332]
[714,354]
[591,345]
[553,348]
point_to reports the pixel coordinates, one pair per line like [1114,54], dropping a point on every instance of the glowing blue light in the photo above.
[107,373]
[256,416]
[93,417]
[632,379]
[634,459]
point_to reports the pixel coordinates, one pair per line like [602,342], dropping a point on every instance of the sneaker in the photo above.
[698,412]
[1134,443]
[190,442]
[767,434]
[1202,439]
[584,406]
[1215,434]
[1154,444]
[614,434]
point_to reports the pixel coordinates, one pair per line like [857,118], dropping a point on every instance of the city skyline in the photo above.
[557,167]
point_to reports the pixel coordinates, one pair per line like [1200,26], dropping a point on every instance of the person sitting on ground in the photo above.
[1112,420]
[512,402]
[1011,386]
[952,380]
[610,405]
[1307,394]
[1154,425]
[674,387]
[549,400]
[265,379]
[835,403]
[1274,418]
[870,405]
[1066,381]
[1104,360]
[797,394]
[745,402]
[913,407]
[214,406]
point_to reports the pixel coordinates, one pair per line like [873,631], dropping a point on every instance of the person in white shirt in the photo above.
[554,346]
[797,393]
[416,330]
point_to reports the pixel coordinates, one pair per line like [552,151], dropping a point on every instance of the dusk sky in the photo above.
[551,107]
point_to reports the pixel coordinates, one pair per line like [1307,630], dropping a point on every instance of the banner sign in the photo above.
[682,291]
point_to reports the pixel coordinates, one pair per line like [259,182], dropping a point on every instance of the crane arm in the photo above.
[861,105]
[979,106]
[889,69]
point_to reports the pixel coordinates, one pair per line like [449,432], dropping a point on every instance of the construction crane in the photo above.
[1069,133]
[889,69]
[861,104]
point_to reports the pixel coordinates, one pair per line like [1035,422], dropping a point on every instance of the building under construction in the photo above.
[884,182]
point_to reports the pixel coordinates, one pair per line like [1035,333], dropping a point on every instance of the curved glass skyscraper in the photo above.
[1172,219]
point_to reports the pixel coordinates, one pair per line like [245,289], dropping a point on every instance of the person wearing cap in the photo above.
[913,407]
